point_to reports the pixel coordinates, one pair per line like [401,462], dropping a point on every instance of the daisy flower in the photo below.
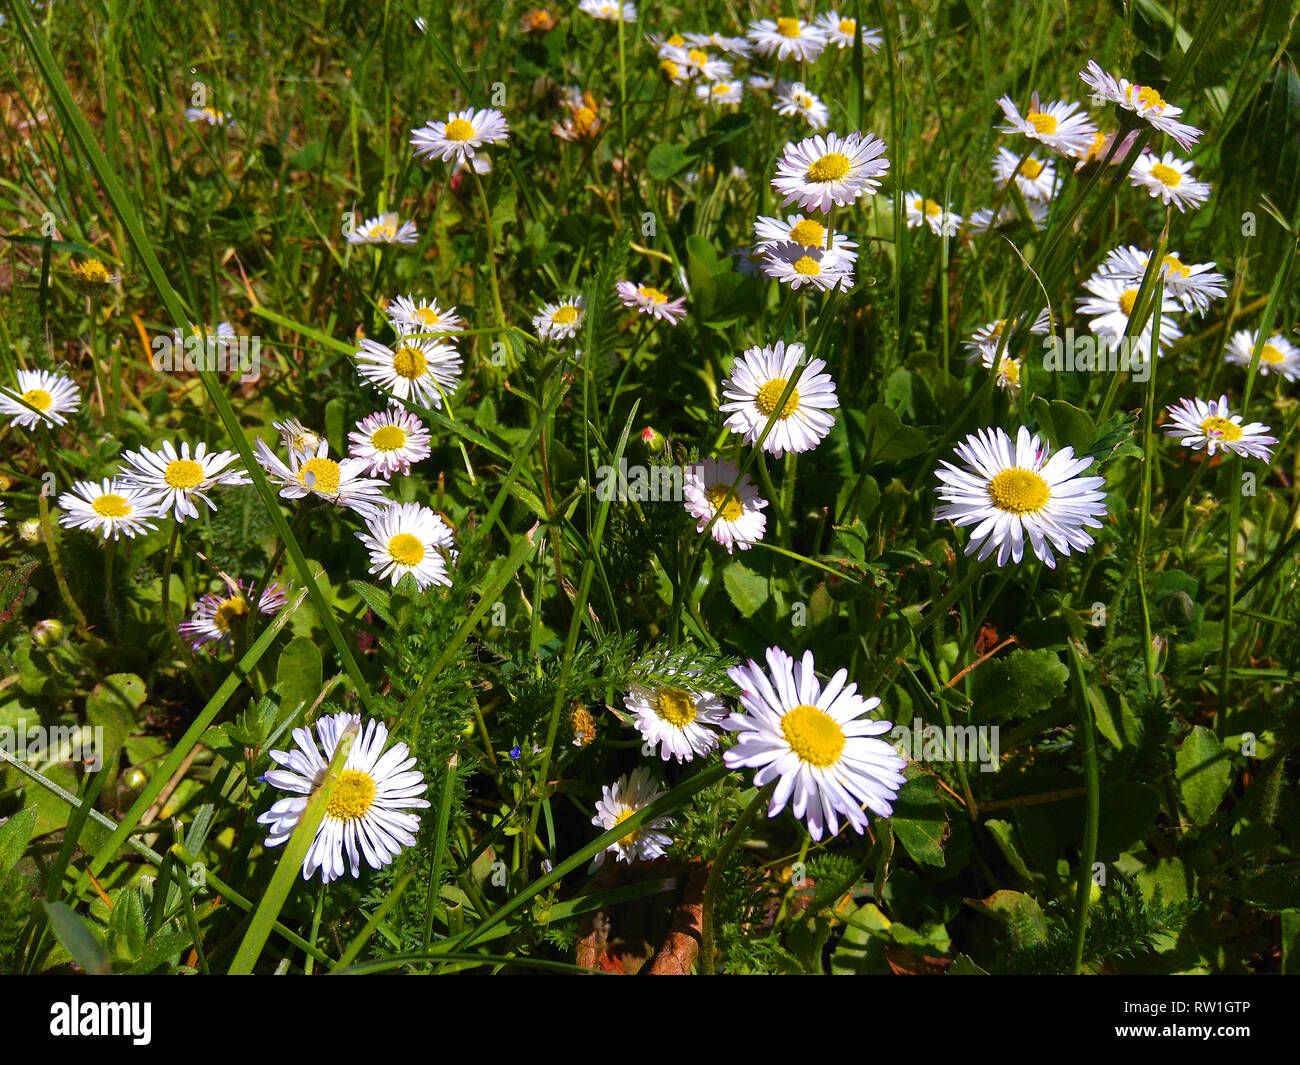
[174,479]
[793,99]
[619,802]
[608,10]
[1061,126]
[1013,491]
[649,300]
[419,370]
[821,172]
[583,119]
[1192,284]
[342,483]
[721,92]
[749,261]
[839,32]
[408,538]
[696,62]
[919,211]
[676,720]
[368,816]
[796,265]
[110,508]
[988,337]
[461,135]
[1009,368]
[814,742]
[761,82]
[560,321]
[982,220]
[296,437]
[787,38]
[796,229]
[707,491]
[1169,180]
[409,315]
[758,380]
[1278,355]
[1099,149]
[1109,306]
[737,47]
[210,115]
[222,338]
[215,617]
[1036,178]
[40,396]
[92,275]
[384,229]
[1207,426]
[1141,100]
[389,442]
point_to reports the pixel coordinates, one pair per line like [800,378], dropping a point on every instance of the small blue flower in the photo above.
[515,752]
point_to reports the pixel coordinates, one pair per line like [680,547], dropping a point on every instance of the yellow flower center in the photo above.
[320,475]
[770,394]
[653,295]
[630,839]
[183,473]
[1042,123]
[807,266]
[382,230]
[675,706]
[1126,300]
[788,27]
[566,314]
[813,735]
[229,611]
[676,40]
[584,118]
[697,57]
[1011,370]
[1031,168]
[409,362]
[1019,491]
[406,550]
[721,89]
[459,130]
[38,398]
[353,795]
[830,167]
[932,209]
[1147,97]
[670,68]
[809,233]
[1166,175]
[111,506]
[92,270]
[716,493]
[1175,266]
[427,316]
[388,438]
[1271,354]
[1221,428]
[848,26]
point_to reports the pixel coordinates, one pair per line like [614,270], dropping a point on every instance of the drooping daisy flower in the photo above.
[651,301]
[409,315]
[419,370]
[1009,368]
[707,490]
[1192,284]
[216,618]
[793,99]
[628,795]
[608,10]
[389,442]
[175,479]
[787,38]
[676,720]
[408,538]
[1278,356]
[821,172]
[758,380]
[40,396]
[1062,126]
[111,508]
[1143,101]
[296,437]
[1036,178]
[210,115]
[721,92]
[560,321]
[1109,306]
[918,211]
[815,742]
[839,31]
[1169,180]
[795,265]
[796,229]
[461,135]
[1210,426]
[1012,492]
[368,813]
[341,483]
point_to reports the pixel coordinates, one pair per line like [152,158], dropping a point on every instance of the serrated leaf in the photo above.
[1018,685]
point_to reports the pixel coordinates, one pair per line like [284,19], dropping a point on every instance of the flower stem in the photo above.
[729,844]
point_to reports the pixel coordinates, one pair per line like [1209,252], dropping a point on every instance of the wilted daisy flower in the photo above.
[1036,178]
[538,20]
[1169,180]
[1192,284]
[174,479]
[408,538]
[215,618]
[210,115]
[384,229]
[815,742]
[110,508]
[1278,356]
[628,795]
[821,172]
[342,483]
[918,211]
[797,229]
[651,301]
[1109,306]
[367,816]
[91,274]
[1143,101]
[707,490]
[839,31]
[609,10]
[560,321]
[1062,126]
[419,370]
[410,315]
[758,380]
[1210,426]
[582,121]
[298,438]
[389,442]
[1013,491]
[721,92]
[796,265]
[40,396]
[793,99]
[787,38]
[461,135]
[676,720]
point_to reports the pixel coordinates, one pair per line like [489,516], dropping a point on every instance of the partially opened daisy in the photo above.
[175,479]
[1212,426]
[341,483]
[815,742]
[677,720]
[1036,178]
[628,795]
[793,99]
[1109,305]
[919,211]
[839,31]
[384,229]
[1169,179]
[296,437]
[217,617]
[461,135]
[1141,100]
[787,38]
[723,91]
[608,10]
[1102,149]
[1277,356]
[1194,285]
[418,370]
[409,315]
[389,442]
[795,265]
[582,119]
[1013,491]
[1008,368]
[368,817]
[652,301]
[797,229]
[561,320]
[707,488]
[111,508]
[408,538]
[39,397]
[1062,126]
[759,378]
[831,171]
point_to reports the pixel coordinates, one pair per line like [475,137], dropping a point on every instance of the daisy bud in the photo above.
[48,633]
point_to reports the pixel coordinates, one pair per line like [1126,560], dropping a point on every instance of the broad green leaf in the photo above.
[1204,773]
[77,938]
